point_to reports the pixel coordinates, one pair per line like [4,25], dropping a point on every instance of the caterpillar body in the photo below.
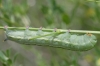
[53,39]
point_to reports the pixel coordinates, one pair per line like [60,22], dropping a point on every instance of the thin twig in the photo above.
[51,30]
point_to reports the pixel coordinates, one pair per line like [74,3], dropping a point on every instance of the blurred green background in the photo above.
[61,14]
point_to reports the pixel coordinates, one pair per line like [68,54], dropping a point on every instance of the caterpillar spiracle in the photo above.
[54,39]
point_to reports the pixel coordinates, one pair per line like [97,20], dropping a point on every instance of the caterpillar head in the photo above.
[5,40]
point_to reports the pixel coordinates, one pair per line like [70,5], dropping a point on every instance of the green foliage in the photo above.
[65,18]
[66,14]
[5,58]
[12,14]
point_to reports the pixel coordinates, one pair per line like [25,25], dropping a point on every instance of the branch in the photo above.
[50,30]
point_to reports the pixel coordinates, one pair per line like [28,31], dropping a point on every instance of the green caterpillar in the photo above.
[54,39]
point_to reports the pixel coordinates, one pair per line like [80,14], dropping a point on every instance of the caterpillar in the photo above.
[53,39]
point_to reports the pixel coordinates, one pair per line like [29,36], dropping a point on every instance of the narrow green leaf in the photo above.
[60,9]
[9,62]
[15,57]
[44,9]
[74,10]
[97,11]
[3,58]
[0,1]
[54,5]
[8,52]
[65,18]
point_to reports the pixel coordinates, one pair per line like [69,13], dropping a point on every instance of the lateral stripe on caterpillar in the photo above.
[54,39]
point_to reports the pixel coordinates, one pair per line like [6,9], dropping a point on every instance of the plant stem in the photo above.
[51,30]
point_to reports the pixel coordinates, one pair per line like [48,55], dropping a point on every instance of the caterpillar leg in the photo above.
[6,28]
[53,36]
[26,32]
[39,32]
[68,30]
